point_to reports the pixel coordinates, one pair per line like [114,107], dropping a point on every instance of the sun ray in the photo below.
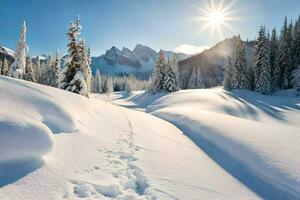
[217,17]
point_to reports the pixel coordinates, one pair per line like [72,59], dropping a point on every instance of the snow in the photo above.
[8,50]
[253,137]
[101,151]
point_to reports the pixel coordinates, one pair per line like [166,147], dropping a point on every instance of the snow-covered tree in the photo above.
[17,69]
[97,84]
[159,73]
[263,79]
[239,77]
[56,69]
[37,69]
[274,58]
[296,80]
[285,55]
[1,64]
[107,85]
[73,77]
[171,82]
[296,44]
[29,74]
[174,67]
[228,72]
[195,81]
[128,85]
[47,72]
[5,66]
[85,64]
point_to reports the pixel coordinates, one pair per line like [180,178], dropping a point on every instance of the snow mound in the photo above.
[21,138]
[28,118]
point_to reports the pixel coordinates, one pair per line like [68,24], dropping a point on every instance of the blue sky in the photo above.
[166,24]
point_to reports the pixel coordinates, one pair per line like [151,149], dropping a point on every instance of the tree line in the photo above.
[276,62]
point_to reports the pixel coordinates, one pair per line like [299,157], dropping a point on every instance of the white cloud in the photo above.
[190,49]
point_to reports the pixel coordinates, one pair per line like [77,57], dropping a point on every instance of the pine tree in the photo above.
[107,85]
[296,44]
[296,80]
[72,76]
[17,68]
[159,73]
[195,81]
[275,68]
[1,64]
[47,72]
[4,69]
[284,55]
[37,70]
[228,73]
[29,75]
[263,68]
[97,87]
[85,64]
[56,69]
[174,67]
[170,80]
[128,85]
[240,79]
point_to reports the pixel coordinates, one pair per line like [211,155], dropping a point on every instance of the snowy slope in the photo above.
[96,150]
[255,138]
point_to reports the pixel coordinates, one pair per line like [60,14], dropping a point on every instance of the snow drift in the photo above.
[28,118]
[253,137]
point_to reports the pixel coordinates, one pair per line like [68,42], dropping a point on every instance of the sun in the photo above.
[217,17]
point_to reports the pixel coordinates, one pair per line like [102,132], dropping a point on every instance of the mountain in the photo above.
[6,53]
[211,62]
[140,60]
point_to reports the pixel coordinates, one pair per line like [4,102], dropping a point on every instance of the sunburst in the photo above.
[218,17]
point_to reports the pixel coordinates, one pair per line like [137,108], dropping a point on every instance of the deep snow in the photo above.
[79,148]
[253,137]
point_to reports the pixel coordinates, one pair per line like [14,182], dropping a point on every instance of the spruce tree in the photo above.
[37,69]
[73,77]
[228,73]
[1,64]
[174,67]
[284,55]
[296,80]
[274,62]
[5,66]
[97,82]
[85,64]
[29,74]
[56,70]
[296,44]
[240,79]
[263,74]
[47,72]
[195,81]
[107,85]
[17,68]
[170,83]
[159,73]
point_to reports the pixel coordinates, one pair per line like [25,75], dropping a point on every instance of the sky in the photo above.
[159,24]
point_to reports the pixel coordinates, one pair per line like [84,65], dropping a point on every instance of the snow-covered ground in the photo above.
[58,145]
[253,137]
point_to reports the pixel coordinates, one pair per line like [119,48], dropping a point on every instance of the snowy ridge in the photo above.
[253,137]
[139,60]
